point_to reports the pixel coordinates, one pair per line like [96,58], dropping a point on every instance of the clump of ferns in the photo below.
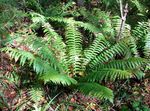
[65,62]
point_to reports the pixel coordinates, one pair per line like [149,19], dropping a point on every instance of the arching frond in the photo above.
[141,34]
[39,65]
[54,76]
[53,37]
[126,64]
[74,47]
[88,26]
[99,19]
[108,74]
[85,26]
[133,46]
[55,44]
[139,74]
[94,89]
[98,45]
[147,46]
[19,54]
[118,49]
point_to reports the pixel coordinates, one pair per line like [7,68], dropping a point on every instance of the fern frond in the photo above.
[96,90]
[127,64]
[36,94]
[54,76]
[139,6]
[40,66]
[98,45]
[133,46]
[57,44]
[141,33]
[107,74]
[100,19]
[37,19]
[19,54]
[140,30]
[23,57]
[147,46]
[118,49]
[88,26]
[89,16]
[139,74]
[48,29]
[74,47]
[52,39]
[58,19]
[105,23]
[85,26]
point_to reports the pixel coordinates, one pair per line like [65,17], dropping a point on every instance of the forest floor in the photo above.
[132,95]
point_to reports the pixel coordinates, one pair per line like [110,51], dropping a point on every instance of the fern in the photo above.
[53,40]
[141,8]
[23,56]
[85,26]
[147,46]
[58,58]
[19,54]
[74,47]
[141,35]
[9,17]
[98,45]
[126,64]
[100,19]
[117,69]
[53,76]
[107,74]
[119,48]
[96,90]
[133,46]
[88,26]
[36,94]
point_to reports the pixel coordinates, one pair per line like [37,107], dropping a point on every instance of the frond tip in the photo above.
[96,90]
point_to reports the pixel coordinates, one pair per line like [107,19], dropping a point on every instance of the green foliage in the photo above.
[3,100]
[74,48]
[95,89]
[55,77]
[77,48]
[126,64]
[141,36]
[119,48]
[36,94]
[98,45]
[108,74]
[44,55]
[100,19]
[9,17]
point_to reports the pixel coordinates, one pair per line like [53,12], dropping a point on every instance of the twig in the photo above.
[123,19]
[121,8]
